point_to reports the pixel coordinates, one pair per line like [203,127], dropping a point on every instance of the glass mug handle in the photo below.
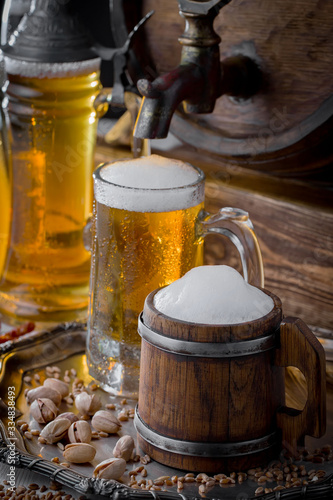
[237,226]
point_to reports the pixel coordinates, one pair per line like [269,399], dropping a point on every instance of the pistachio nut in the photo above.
[69,415]
[57,385]
[55,430]
[87,404]
[105,421]
[78,386]
[43,410]
[79,432]
[43,392]
[111,468]
[124,448]
[79,453]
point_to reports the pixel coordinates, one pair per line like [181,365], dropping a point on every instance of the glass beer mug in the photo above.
[149,228]
[52,86]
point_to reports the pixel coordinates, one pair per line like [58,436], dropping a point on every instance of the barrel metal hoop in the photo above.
[202,449]
[206,349]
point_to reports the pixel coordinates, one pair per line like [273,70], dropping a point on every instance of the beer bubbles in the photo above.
[213,295]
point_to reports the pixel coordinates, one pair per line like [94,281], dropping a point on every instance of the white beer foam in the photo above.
[50,70]
[149,184]
[215,295]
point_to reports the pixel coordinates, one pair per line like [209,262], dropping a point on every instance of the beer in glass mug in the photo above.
[149,224]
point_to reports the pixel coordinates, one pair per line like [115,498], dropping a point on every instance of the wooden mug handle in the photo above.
[300,348]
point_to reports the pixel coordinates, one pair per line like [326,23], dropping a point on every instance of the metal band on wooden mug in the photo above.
[202,449]
[206,349]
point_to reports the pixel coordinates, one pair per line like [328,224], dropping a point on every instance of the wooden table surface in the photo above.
[25,477]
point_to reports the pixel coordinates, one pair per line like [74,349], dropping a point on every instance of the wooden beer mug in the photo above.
[212,397]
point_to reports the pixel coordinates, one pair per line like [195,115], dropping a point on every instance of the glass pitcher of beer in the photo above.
[53,82]
[5,175]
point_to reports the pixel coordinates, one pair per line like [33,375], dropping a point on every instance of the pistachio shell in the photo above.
[105,421]
[79,453]
[43,410]
[111,468]
[55,430]
[87,404]
[69,415]
[124,448]
[79,432]
[43,392]
[57,385]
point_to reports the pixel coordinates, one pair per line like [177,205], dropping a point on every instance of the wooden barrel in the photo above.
[210,396]
[287,127]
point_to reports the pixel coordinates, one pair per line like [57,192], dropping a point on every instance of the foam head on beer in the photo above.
[149,184]
[213,295]
[31,69]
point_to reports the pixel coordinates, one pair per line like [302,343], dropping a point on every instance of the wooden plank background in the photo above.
[297,246]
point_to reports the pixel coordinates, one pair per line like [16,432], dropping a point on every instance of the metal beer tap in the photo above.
[200,78]
[123,93]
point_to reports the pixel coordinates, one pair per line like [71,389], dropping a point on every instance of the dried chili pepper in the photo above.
[17,332]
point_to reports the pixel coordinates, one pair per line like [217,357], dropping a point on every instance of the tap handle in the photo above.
[201,7]
[108,53]
[119,56]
